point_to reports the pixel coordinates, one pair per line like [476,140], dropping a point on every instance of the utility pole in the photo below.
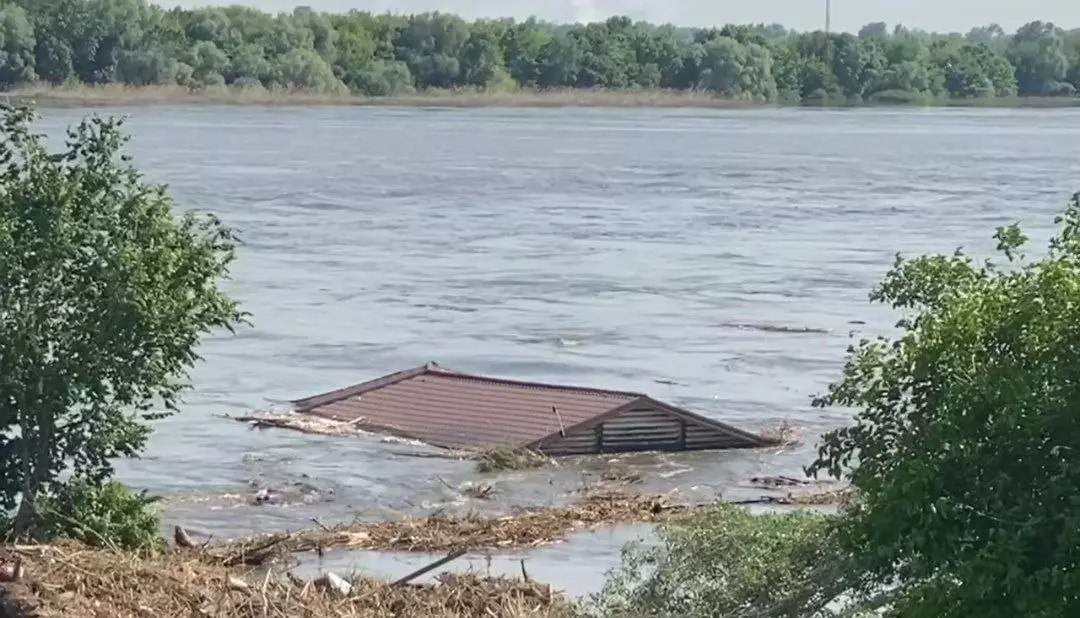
[828,15]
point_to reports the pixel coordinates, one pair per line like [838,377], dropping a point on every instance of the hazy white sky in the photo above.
[937,15]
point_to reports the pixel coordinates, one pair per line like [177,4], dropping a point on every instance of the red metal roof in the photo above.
[452,410]
[455,410]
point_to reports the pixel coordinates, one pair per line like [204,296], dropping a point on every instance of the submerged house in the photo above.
[456,410]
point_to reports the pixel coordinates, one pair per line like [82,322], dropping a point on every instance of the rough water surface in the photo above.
[719,260]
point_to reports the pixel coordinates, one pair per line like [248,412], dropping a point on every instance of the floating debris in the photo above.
[303,423]
[529,528]
[618,474]
[778,481]
[498,459]
[532,527]
[73,581]
[472,489]
[778,328]
[784,435]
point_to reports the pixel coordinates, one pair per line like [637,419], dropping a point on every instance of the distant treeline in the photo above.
[138,43]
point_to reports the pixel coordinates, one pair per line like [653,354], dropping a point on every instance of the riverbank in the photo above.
[69,580]
[120,95]
[255,576]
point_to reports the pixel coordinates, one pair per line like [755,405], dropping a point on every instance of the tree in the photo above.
[965,451]
[1038,53]
[16,46]
[878,29]
[105,293]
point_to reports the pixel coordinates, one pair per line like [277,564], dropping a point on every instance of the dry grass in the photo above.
[529,528]
[828,497]
[534,527]
[71,581]
[115,94]
[499,458]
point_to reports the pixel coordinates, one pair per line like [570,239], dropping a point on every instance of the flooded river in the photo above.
[652,250]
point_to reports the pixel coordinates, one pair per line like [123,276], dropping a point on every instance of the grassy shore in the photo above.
[116,95]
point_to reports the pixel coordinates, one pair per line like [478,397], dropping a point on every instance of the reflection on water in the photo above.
[613,248]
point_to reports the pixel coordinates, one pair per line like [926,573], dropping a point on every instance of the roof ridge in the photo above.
[364,387]
[435,368]
[539,385]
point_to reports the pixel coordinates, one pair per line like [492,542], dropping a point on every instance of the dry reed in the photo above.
[529,528]
[72,581]
[498,459]
[117,94]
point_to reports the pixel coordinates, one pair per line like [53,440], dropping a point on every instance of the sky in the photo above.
[847,15]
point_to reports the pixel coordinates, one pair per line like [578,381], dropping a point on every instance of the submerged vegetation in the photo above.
[137,43]
[499,459]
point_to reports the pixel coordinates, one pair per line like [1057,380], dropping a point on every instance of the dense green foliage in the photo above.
[965,457]
[108,515]
[134,42]
[966,446]
[726,562]
[105,293]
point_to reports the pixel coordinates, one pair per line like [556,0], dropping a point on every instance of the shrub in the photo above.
[107,293]
[728,562]
[966,447]
[110,516]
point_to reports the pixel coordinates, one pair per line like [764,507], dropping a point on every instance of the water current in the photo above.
[651,250]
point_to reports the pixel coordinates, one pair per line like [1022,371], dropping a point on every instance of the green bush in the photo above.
[965,450]
[900,97]
[728,562]
[138,284]
[110,516]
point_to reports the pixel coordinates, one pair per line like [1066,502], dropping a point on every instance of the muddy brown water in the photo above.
[715,259]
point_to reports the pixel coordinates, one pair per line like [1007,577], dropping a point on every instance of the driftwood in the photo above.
[303,423]
[454,555]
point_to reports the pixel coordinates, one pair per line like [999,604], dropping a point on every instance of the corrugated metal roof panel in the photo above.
[454,410]
[457,410]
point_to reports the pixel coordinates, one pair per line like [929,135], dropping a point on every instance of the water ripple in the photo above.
[601,247]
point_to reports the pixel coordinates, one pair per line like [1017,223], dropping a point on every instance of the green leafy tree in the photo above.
[559,63]
[136,42]
[105,293]
[207,62]
[875,30]
[482,55]
[382,78]
[522,44]
[856,64]
[304,68]
[17,45]
[965,451]
[431,45]
[1038,53]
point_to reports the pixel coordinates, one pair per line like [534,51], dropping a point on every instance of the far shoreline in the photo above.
[127,96]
